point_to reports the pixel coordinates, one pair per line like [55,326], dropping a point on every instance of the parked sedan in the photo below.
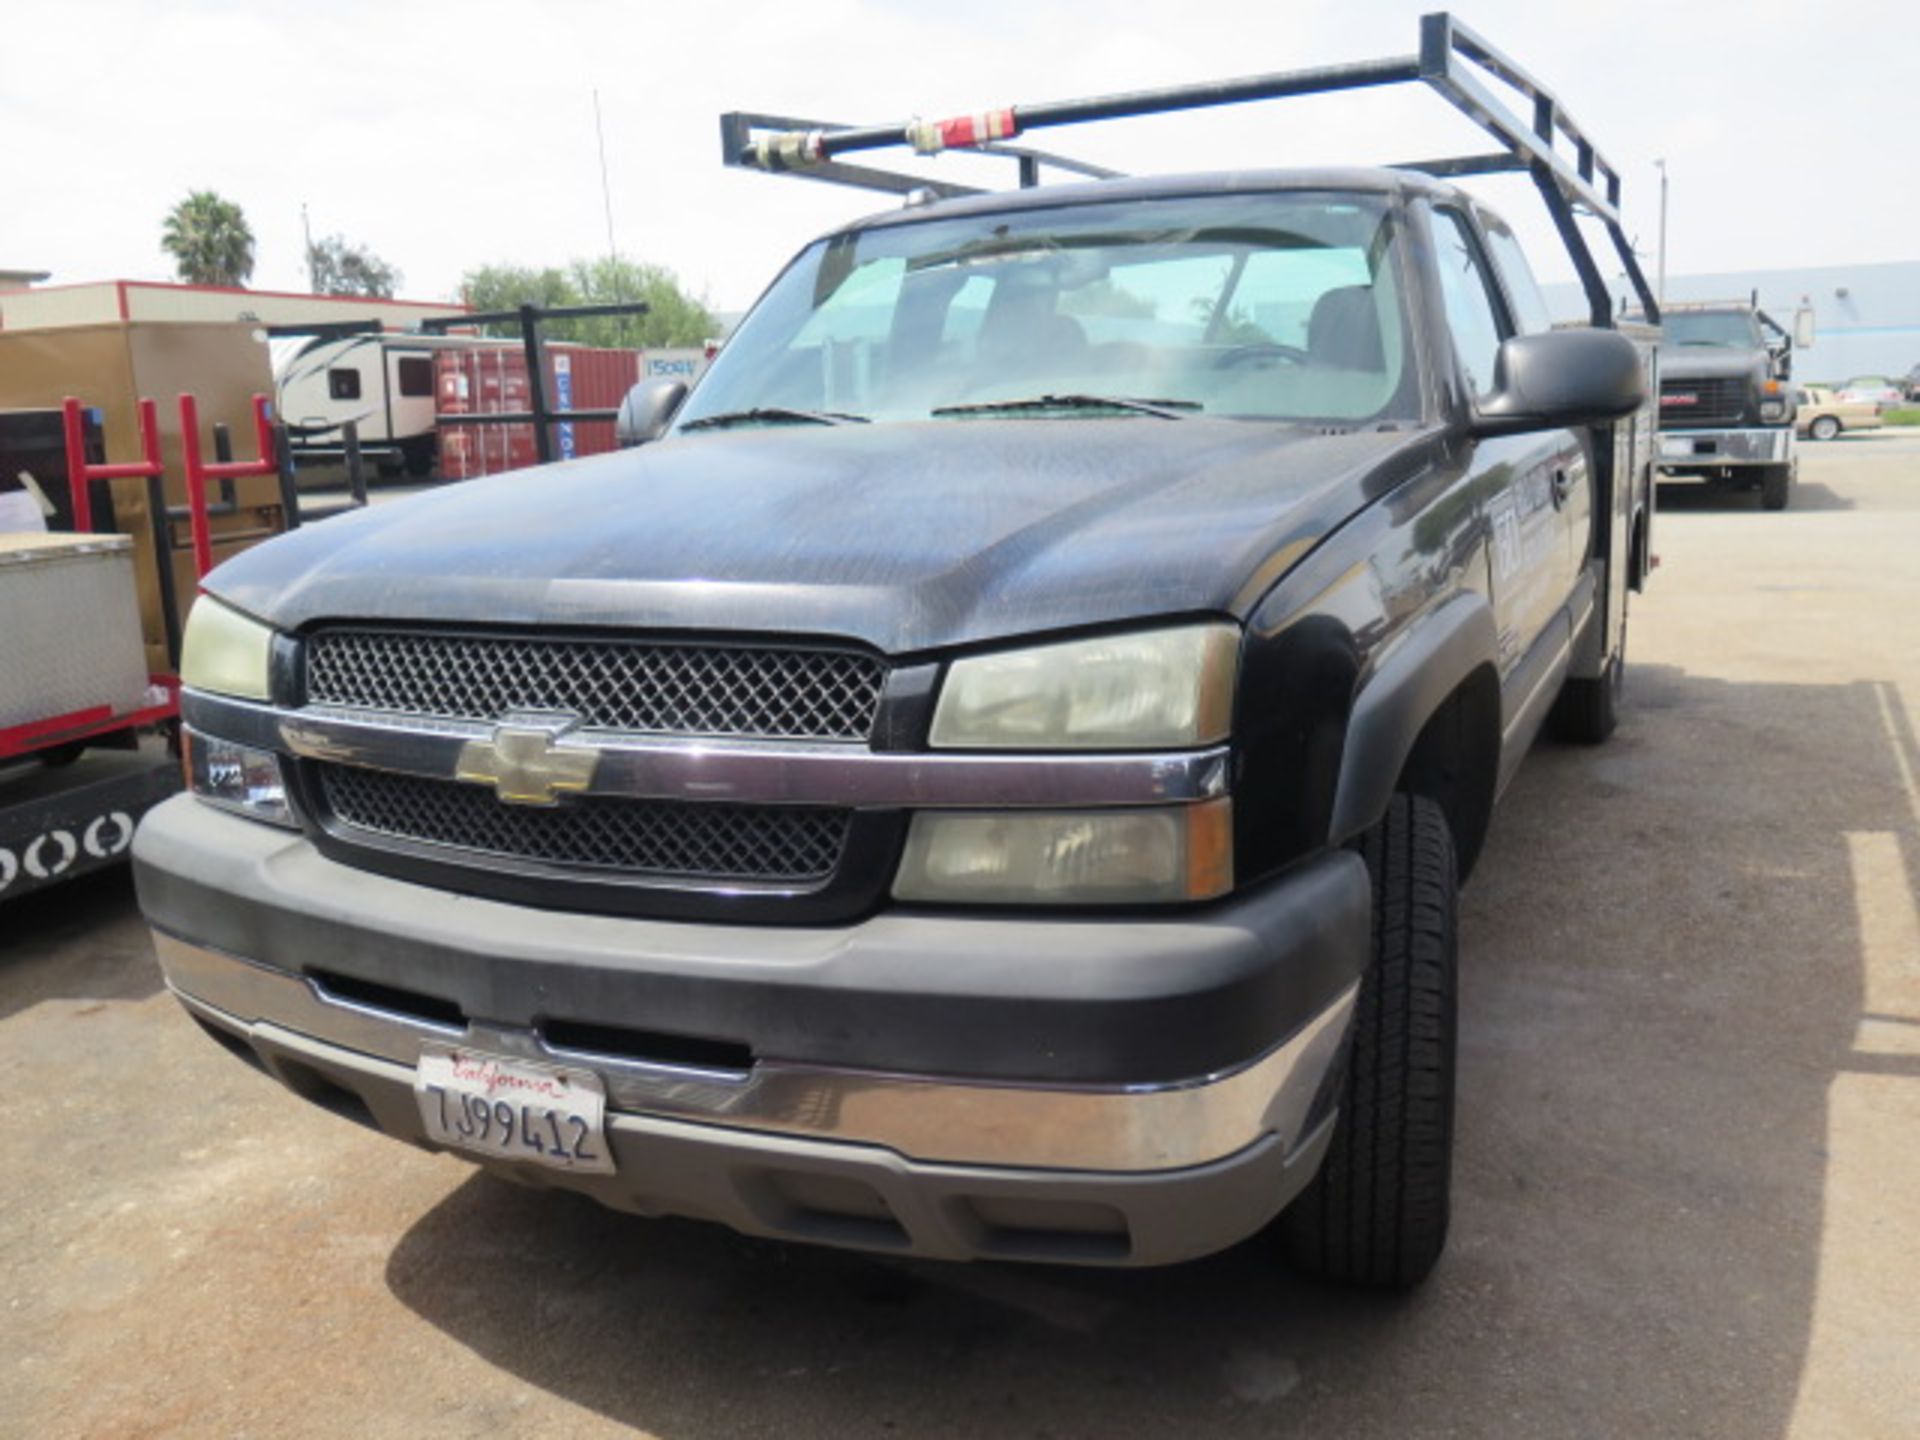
[1874,389]
[1822,415]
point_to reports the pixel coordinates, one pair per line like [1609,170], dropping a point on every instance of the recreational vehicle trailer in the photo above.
[384,382]
[391,385]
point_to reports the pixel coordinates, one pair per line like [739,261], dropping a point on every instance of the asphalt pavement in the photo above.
[1688,1185]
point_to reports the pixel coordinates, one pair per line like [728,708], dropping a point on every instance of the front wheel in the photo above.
[1776,483]
[1376,1213]
[1824,427]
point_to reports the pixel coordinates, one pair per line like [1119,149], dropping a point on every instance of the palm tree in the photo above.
[209,241]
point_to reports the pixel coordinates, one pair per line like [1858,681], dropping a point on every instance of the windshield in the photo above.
[1734,328]
[1275,306]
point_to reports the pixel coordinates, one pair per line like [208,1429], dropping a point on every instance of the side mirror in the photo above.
[1563,378]
[1803,327]
[647,410]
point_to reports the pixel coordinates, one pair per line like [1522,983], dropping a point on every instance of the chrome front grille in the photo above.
[649,687]
[1697,404]
[639,839]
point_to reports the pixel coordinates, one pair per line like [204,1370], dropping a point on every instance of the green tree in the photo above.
[209,240]
[673,318]
[507,287]
[338,268]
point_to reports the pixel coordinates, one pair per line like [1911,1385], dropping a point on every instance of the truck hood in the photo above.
[908,536]
[1710,362]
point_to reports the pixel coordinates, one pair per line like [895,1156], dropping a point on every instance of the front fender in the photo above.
[1413,677]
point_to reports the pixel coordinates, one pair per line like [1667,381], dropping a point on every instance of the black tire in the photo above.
[1376,1213]
[1776,484]
[418,456]
[1587,711]
[1824,427]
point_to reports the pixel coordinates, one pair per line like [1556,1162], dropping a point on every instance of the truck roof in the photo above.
[1363,179]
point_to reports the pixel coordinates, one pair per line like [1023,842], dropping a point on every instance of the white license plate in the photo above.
[1671,448]
[514,1109]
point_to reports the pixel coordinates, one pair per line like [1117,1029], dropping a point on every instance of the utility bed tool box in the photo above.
[69,627]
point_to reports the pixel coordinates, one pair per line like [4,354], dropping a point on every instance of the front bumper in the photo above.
[1686,449]
[1106,1091]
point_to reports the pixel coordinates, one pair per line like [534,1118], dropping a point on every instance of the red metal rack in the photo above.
[200,471]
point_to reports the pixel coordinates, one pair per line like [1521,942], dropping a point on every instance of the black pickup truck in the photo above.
[1727,406]
[989,776]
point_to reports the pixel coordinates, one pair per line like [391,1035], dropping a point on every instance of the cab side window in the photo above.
[1472,315]
[1530,311]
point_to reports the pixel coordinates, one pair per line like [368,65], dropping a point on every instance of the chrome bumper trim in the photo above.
[1771,445]
[1108,1128]
[756,772]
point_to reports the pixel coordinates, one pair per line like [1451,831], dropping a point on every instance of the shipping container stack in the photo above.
[453,395]
[492,380]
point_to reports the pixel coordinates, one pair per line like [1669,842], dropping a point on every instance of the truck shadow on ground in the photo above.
[1663,975]
[82,940]
[1694,497]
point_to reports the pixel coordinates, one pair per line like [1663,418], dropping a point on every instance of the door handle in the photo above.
[1562,487]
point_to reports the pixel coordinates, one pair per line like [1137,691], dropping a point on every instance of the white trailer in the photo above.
[381,381]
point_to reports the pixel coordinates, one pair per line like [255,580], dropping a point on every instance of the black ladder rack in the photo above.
[1453,60]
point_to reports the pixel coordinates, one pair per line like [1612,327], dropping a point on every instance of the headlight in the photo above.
[225,652]
[1773,409]
[1084,857]
[236,777]
[1149,690]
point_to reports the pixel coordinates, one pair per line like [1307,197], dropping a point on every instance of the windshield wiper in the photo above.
[774,415]
[1165,409]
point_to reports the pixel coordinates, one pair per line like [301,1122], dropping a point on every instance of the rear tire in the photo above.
[1376,1213]
[1587,711]
[1824,427]
[1776,483]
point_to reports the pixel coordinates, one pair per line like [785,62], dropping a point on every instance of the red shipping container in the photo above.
[492,379]
[600,379]
[453,395]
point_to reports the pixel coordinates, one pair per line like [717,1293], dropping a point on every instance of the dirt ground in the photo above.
[1688,1197]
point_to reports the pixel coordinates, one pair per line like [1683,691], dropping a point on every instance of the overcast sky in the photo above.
[448,135]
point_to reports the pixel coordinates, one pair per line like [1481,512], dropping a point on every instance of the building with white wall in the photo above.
[1866,317]
[48,307]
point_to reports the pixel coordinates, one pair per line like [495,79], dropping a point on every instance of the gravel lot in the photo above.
[1689,1183]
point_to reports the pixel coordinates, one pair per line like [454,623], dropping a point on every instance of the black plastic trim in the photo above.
[1076,999]
[856,887]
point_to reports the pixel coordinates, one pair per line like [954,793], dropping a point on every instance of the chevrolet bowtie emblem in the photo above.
[525,764]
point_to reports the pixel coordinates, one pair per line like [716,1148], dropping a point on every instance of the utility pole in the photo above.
[1660,285]
[606,195]
[606,201]
[307,230]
